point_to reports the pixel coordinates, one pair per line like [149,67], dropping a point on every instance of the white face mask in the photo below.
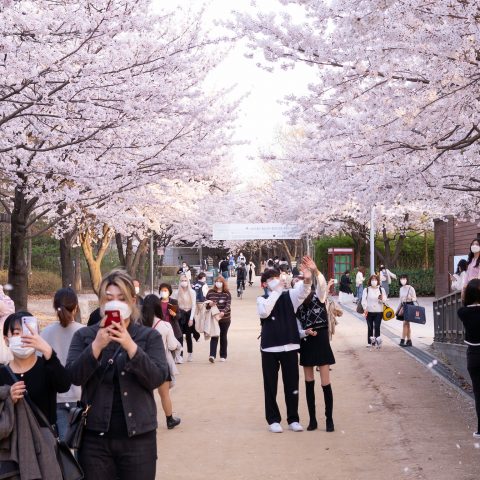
[403,281]
[122,307]
[165,294]
[475,248]
[184,283]
[273,284]
[17,349]
[374,283]
[219,285]
[137,290]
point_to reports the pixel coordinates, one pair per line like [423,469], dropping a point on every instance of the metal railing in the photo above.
[448,327]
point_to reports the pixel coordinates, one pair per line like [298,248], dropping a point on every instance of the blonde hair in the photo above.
[124,282]
[184,297]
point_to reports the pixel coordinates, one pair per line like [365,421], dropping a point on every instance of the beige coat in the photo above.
[211,327]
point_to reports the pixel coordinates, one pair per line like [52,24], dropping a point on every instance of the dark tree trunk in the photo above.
[121,254]
[29,253]
[66,261]
[2,247]
[17,269]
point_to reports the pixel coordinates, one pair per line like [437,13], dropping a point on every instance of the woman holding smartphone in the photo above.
[315,350]
[118,365]
[373,300]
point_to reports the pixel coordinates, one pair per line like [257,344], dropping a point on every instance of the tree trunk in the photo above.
[77,282]
[29,253]
[121,255]
[66,262]
[139,257]
[2,247]
[17,268]
[94,262]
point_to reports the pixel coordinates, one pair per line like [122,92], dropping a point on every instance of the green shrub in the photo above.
[40,282]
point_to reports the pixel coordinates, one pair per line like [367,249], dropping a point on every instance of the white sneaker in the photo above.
[275,428]
[295,427]
[211,359]
[178,359]
[476,434]
[190,357]
[378,341]
[223,359]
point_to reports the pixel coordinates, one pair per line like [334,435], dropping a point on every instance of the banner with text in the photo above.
[256,231]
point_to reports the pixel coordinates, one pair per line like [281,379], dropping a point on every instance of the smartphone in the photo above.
[32,322]
[112,316]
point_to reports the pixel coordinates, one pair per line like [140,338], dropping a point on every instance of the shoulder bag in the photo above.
[388,312]
[69,466]
[78,414]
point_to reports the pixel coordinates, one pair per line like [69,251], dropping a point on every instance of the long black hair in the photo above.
[65,302]
[472,293]
[151,308]
[462,266]
[471,255]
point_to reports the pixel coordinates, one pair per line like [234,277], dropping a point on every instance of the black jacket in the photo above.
[138,377]
[470,317]
[345,283]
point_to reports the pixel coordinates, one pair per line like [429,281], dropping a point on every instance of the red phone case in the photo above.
[112,316]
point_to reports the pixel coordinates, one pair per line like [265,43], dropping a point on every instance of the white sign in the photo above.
[256,231]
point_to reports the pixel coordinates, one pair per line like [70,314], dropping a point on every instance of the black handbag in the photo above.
[360,307]
[78,414]
[69,466]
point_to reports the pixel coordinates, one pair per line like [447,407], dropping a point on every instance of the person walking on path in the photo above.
[185,270]
[152,316]
[459,277]
[251,272]
[315,349]
[386,278]
[220,296]
[345,289]
[224,267]
[359,281]
[59,336]
[279,345]
[469,314]
[187,300]
[373,300]
[118,366]
[408,296]
[241,272]
[473,269]
[169,308]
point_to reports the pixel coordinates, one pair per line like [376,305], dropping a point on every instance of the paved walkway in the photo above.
[393,418]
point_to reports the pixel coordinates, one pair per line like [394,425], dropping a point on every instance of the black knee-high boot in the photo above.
[310,392]
[328,396]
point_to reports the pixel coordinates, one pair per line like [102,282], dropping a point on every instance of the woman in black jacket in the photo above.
[118,365]
[470,317]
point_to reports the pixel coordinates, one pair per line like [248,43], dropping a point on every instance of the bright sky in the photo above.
[261,114]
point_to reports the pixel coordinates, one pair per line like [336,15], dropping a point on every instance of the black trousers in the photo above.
[374,320]
[123,458]
[187,331]
[224,326]
[473,367]
[271,363]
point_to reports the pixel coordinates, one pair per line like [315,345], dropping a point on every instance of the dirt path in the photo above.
[393,418]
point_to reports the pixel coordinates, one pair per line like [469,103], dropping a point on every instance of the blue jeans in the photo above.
[360,292]
[63,416]
[225,275]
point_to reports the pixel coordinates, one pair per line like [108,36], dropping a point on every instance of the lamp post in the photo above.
[372,240]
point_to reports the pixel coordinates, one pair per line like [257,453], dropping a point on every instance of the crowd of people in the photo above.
[110,369]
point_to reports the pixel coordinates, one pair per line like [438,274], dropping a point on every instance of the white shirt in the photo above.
[458,281]
[370,301]
[265,306]
[407,294]
[386,276]
[359,279]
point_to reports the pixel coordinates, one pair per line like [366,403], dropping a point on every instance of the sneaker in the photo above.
[476,434]
[211,359]
[275,428]
[402,342]
[295,427]
[409,343]
[378,342]
[223,359]
[179,359]
[190,357]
